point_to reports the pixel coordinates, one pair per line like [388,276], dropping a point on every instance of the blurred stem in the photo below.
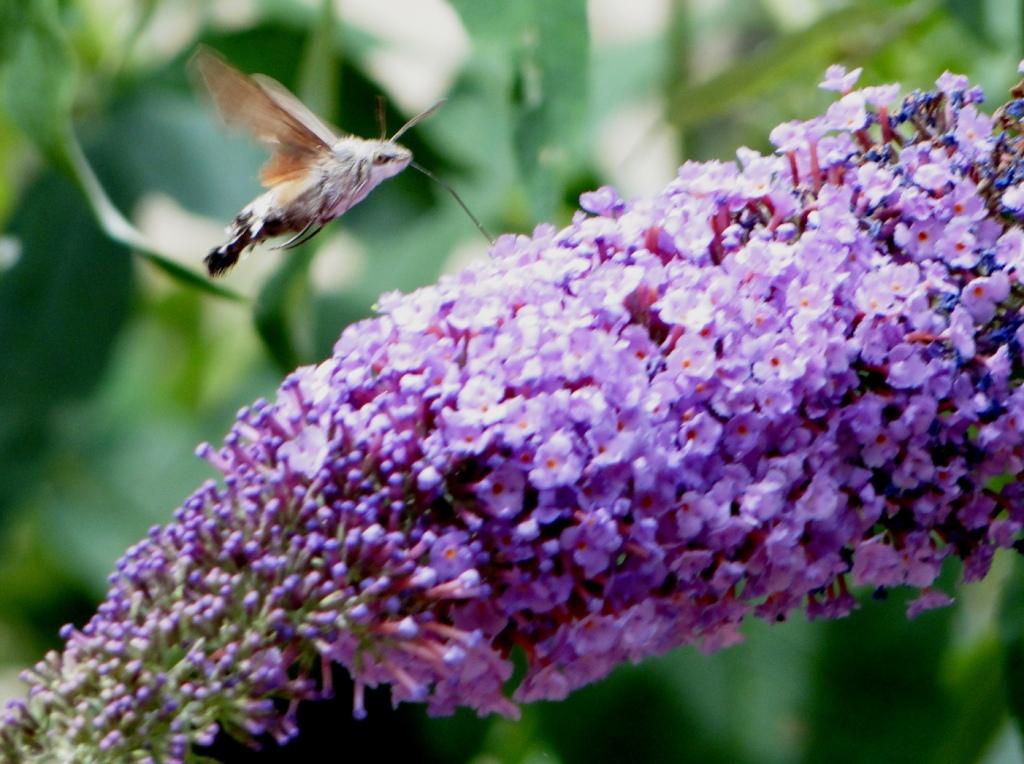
[143,14]
[318,70]
[677,67]
[275,306]
[288,289]
[1011,633]
[74,163]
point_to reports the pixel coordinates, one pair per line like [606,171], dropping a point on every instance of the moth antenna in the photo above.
[455,196]
[416,120]
[382,118]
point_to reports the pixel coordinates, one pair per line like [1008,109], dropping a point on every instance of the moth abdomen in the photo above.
[246,230]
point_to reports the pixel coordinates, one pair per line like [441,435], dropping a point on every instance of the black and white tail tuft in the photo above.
[221,259]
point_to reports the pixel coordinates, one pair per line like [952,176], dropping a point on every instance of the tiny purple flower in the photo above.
[501,492]
[974,133]
[982,294]
[932,177]
[848,113]
[949,83]
[556,462]
[1013,198]
[838,79]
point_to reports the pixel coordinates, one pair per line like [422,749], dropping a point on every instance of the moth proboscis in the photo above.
[314,174]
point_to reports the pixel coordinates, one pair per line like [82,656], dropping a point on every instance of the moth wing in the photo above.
[244,102]
[285,165]
[284,98]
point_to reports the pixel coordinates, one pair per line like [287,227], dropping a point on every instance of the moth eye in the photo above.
[380,159]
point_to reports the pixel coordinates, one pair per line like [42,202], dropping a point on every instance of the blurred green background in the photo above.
[117,355]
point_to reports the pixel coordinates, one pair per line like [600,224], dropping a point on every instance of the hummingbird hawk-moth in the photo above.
[313,175]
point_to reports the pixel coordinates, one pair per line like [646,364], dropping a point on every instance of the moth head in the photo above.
[388,159]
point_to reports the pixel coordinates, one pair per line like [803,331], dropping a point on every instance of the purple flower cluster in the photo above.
[778,377]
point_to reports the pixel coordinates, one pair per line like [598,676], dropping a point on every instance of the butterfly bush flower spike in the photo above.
[777,379]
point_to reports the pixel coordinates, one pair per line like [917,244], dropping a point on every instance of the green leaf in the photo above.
[164,139]
[848,35]
[120,229]
[38,84]
[547,46]
[63,302]
[553,68]
[972,16]
[62,305]
[38,78]
[493,20]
